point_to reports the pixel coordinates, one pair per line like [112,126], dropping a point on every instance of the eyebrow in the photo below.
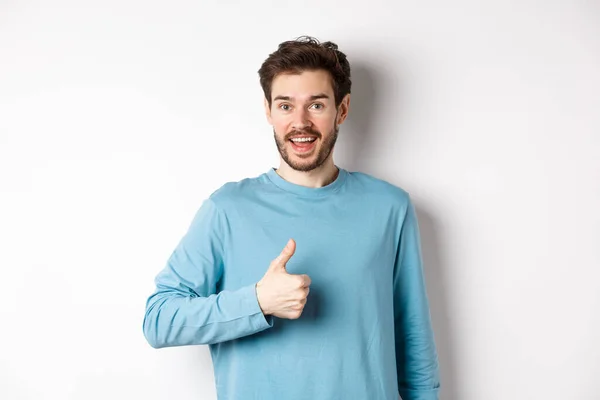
[311,98]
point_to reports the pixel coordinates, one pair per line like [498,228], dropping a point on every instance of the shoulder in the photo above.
[232,192]
[379,189]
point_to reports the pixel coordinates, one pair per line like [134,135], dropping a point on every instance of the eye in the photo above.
[284,107]
[317,106]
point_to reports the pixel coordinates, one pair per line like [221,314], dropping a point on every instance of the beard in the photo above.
[312,162]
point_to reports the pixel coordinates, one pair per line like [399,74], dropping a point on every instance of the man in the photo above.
[306,282]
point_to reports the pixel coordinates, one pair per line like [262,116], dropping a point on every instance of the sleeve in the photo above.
[185,308]
[416,354]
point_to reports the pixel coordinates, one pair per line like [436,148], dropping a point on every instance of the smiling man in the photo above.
[300,117]
[306,281]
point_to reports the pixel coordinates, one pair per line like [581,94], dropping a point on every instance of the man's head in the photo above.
[307,94]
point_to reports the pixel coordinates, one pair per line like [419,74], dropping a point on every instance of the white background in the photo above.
[117,118]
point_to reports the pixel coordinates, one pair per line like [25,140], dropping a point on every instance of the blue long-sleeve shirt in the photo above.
[365,331]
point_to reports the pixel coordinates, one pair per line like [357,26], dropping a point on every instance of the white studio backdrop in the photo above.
[117,118]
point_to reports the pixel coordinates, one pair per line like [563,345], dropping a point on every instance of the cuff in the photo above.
[420,394]
[251,307]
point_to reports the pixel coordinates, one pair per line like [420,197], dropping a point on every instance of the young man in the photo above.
[341,312]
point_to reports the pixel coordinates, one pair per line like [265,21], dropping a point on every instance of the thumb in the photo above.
[286,254]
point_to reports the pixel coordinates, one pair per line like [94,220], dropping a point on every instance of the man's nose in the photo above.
[300,120]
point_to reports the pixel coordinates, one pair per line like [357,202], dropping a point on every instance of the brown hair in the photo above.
[307,53]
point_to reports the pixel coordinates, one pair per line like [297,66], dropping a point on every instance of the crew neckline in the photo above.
[306,191]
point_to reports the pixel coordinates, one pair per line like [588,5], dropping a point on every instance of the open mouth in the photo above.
[303,144]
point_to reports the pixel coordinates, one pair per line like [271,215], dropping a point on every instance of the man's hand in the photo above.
[279,293]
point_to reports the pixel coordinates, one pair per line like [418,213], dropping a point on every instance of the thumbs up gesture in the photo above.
[280,293]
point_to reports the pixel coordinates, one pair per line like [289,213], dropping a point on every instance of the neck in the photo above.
[316,178]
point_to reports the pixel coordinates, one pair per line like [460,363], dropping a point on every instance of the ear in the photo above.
[343,109]
[267,111]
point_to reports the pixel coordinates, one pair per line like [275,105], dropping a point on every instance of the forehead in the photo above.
[302,85]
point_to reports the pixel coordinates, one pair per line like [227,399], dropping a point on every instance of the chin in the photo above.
[303,165]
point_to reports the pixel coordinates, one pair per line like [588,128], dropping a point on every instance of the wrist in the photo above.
[264,310]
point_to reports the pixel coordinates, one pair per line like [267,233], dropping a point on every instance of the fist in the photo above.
[279,293]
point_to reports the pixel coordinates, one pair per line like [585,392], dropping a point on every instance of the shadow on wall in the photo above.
[354,134]
[370,86]
[436,276]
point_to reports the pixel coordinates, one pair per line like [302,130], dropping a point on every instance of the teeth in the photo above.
[303,139]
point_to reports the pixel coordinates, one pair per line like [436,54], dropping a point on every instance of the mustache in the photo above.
[308,131]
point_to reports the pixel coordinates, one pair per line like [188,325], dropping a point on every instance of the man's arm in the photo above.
[416,355]
[185,308]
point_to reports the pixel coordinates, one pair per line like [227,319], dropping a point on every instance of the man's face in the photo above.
[303,106]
